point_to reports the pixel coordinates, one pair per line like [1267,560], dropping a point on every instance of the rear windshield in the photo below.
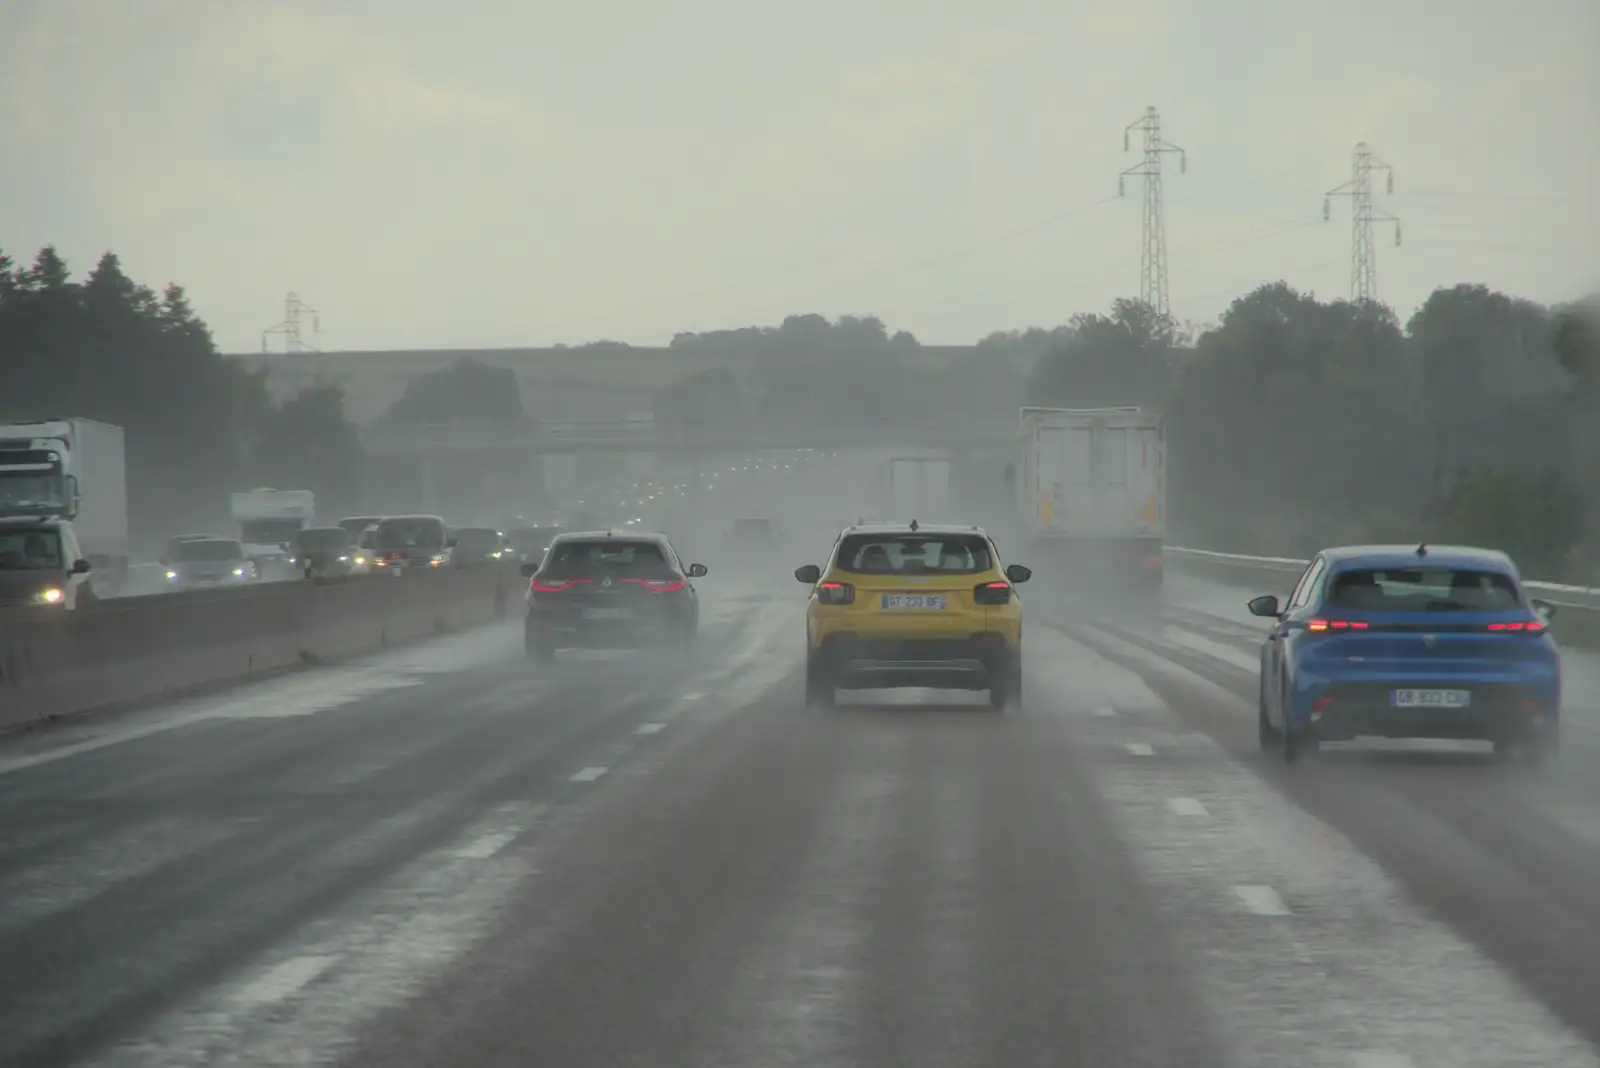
[322,538]
[355,526]
[610,556]
[1418,589]
[208,551]
[410,533]
[478,539]
[915,554]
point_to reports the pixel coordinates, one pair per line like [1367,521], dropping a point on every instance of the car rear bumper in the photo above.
[1497,710]
[855,663]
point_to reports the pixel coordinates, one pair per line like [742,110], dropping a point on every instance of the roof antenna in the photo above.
[1422,549]
[913,526]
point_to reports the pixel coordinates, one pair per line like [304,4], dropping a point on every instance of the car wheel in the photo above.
[1542,750]
[1299,744]
[1266,733]
[820,691]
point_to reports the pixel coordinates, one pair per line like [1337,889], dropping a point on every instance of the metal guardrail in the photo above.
[1586,598]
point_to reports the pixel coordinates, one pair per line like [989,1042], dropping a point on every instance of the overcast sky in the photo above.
[507,172]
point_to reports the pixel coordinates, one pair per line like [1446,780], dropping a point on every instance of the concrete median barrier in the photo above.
[131,649]
[1576,623]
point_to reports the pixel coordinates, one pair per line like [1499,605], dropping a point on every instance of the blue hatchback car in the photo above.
[1410,642]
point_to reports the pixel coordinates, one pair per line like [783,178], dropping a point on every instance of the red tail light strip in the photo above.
[1532,626]
[1335,624]
[659,585]
[559,586]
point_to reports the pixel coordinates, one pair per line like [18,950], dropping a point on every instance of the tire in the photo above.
[820,692]
[1266,733]
[1005,688]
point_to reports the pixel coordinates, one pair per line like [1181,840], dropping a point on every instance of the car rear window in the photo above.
[915,554]
[410,533]
[610,556]
[322,538]
[478,539]
[209,551]
[1422,589]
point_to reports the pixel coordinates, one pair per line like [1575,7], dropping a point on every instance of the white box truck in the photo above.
[74,469]
[916,487]
[1091,489]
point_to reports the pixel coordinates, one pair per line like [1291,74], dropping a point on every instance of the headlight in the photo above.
[53,595]
[361,560]
[344,559]
[172,574]
[437,560]
[238,572]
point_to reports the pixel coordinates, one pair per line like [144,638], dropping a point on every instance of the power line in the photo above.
[293,309]
[1363,253]
[1153,251]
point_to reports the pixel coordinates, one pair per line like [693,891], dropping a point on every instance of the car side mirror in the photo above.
[1265,606]
[529,569]
[1018,574]
[1546,610]
[698,571]
[82,567]
[810,574]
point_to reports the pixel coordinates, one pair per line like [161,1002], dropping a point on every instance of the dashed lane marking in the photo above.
[486,846]
[282,981]
[1105,711]
[694,697]
[1186,806]
[589,774]
[1383,1059]
[1139,749]
[651,728]
[1261,900]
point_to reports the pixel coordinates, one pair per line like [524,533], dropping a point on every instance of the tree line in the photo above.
[1292,422]
[198,426]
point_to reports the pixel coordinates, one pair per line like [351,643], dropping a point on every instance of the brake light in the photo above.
[992,593]
[835,593]
[1532,626]
[1335,624]
[556,587]
[659,585]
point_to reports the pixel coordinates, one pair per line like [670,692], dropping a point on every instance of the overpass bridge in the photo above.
[631,437]
[439,467]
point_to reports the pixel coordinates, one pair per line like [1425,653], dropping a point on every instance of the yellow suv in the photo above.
[910,605]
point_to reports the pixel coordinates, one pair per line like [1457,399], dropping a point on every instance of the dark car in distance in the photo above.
[600,589]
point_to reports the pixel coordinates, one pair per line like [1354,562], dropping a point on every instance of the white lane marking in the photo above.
[651,728]
[1383,1059]
[693,696]
[1105,711]
[486,846]
[1261,900]
[589,774]
[1186,806]
[282,981]
[1139,749]
[1216,650]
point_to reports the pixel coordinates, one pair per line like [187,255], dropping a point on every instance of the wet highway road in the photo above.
[447,856]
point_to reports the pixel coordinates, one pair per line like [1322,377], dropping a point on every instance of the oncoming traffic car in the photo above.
[1420,642]
[603,589]
[910,605]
